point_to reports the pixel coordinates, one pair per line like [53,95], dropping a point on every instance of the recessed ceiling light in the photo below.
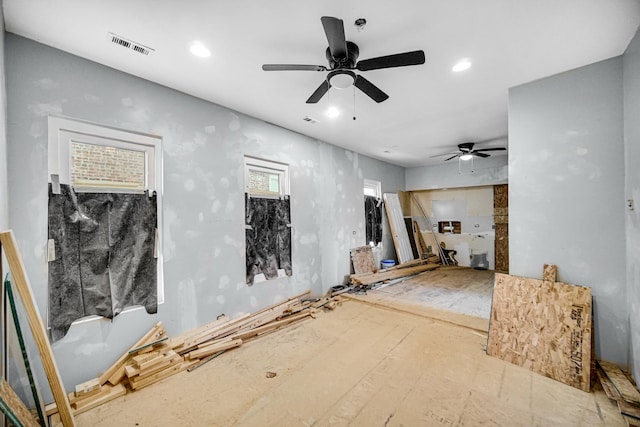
[463,64]
[332,112]
[199,50]
[466,157]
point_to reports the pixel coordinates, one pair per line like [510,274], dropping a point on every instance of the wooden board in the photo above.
[109,393]
[542,326]
[620,382]
[37,326]
[398,229]
[419,239]
[501,220]
[116,373]
[362,259]
[381,276]
[15,406]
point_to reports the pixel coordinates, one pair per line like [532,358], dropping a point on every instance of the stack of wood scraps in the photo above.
[155,356]
[618,387]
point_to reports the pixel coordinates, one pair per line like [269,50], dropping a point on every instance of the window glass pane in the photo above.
[369,191]
[266,183]
[106,167]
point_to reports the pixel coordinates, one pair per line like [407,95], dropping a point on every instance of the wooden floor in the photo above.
[460,295]
[359,365]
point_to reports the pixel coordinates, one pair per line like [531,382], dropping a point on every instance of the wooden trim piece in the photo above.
[15,406]
[620,382]
[37,327]
[143,382]
[209,350]
[116,371]
[381,276]
[273,325]
[95,401]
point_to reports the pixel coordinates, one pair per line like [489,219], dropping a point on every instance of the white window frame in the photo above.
[64,130]
[374,186]
[267,166]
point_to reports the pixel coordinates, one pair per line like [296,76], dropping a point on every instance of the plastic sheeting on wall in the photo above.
[104,255]
[373,214]
[268,236]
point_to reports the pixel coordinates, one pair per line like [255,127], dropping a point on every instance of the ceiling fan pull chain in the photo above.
[354,102]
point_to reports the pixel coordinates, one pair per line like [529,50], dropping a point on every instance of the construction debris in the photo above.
[391,273]
[155,356]
[618,387]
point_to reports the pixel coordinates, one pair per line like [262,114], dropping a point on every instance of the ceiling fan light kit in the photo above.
[342,56]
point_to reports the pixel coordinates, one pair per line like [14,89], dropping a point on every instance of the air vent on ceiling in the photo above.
[130,44]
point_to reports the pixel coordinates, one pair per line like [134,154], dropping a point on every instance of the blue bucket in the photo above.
[388,263]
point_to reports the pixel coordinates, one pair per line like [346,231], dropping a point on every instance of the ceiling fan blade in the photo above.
[334,29]
[490,149]
[475,153]
[370,89]
[452,157]
[319,93]
[398,60]
[293,67]
[445,154]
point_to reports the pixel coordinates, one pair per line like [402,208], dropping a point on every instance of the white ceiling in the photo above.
[430,109]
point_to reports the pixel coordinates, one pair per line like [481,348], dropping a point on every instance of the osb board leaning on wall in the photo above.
[544,326]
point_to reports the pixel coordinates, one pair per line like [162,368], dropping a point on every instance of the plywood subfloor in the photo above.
[359,365]
[456,294]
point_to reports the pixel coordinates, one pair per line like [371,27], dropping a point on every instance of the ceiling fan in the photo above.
[466,152]
[342,56]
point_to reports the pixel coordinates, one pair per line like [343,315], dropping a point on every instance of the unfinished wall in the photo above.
[631,77]
[566,190]
[473,207]
[203,229]
[4,209]
[488,171]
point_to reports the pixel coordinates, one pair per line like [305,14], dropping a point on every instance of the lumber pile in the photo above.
[618,387]
[155,356]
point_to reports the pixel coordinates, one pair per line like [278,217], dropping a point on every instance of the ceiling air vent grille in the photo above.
[129,44]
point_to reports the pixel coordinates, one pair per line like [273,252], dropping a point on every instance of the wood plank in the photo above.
[549,273]
[115,373]
[38,331]
[629,409]
[88,388]
[137,385]
[362,259]
[381,276]
[419,238]
[607,385]
[543,326]
[620,382]
[397,227]
[73,399]
[16,407]
[112,392]
[209,350]
[270,326]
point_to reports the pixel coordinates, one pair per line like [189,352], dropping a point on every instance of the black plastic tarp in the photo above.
[104,255]
[268,239]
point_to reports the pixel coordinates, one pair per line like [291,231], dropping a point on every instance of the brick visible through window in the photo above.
[107,167]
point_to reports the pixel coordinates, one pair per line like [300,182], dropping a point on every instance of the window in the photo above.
[104,216]
[265,178]
[267,220]
[373,211]
[372,188]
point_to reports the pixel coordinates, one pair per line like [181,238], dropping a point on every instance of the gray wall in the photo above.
[4,204]
[631,74]
[488,171]
[566,190]
[203,228]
